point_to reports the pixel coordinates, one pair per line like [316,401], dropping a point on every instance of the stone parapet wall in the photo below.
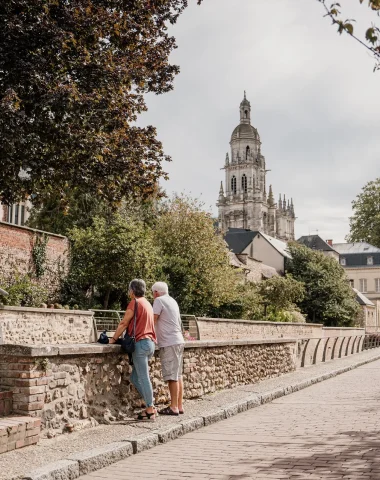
[226,329]
[33,326]
[16,246]
[84,384]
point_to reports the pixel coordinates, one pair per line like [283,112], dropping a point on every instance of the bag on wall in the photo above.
[103,338]
[128,342]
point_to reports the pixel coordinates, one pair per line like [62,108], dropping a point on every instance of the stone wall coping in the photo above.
[344,328]
[46,310]
[22,227]
[97,348]
[256,322]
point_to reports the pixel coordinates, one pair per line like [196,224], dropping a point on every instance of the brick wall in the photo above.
[5,402]
[16,244]
[18,432]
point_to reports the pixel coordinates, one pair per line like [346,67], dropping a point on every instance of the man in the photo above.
[170,340]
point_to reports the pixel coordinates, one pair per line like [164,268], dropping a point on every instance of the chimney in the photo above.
[329,242]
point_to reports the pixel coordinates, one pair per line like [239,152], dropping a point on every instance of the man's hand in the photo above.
[112,340]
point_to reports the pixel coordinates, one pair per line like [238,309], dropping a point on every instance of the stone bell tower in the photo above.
[243,202]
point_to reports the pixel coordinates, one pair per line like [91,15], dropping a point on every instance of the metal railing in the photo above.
[110,319]
[329,348]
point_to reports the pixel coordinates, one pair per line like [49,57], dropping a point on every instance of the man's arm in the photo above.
[128,315]
[156,317]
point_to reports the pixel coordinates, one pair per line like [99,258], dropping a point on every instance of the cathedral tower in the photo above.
[243,203]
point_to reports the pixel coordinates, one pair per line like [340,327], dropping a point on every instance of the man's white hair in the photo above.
[160,287]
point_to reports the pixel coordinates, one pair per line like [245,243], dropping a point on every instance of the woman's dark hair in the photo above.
[138,287]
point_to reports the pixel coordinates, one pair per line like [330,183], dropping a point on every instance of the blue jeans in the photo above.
[140,372]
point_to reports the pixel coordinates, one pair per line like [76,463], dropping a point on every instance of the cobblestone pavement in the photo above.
[327,431]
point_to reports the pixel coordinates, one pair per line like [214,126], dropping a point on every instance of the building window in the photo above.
[363,285]
[369,260]
[245,113]
[247,152]
[22,215]
[244,183]
[352,283]
[233,184]
[17,208]
[10,213]
[343,261]
[377,285]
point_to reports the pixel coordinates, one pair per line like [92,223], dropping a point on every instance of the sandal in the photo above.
[168,411]
[145,416]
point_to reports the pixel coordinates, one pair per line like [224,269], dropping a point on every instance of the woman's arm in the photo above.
[128,315]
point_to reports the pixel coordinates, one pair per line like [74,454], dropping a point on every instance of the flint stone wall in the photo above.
[88,384]
[225,329]
[39,326]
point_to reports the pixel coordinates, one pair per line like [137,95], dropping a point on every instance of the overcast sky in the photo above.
[314,98]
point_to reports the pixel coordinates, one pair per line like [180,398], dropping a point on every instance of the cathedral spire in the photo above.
[284,203]
[245,110]
[270,197]
[221,191]
[280,202]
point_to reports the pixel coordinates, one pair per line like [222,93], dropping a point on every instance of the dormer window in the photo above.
[233,184]
[343,261]
[369,260]
[244,183]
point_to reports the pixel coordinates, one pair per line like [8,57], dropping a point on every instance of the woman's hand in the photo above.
[112,340]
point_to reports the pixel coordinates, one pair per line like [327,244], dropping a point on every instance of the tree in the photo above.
[107,256]
[195,260]
[281,293]
[72,79]
[328,298]
[371,41]
[365,222]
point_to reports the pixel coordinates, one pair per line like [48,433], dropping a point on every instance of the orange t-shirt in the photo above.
[144,320]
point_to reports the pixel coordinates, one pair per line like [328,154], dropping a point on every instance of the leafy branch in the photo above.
[372,34]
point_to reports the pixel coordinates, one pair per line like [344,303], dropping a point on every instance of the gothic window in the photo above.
[244,183]
[233,184]
[247,152]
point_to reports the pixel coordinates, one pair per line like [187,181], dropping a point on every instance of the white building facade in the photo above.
[243,202]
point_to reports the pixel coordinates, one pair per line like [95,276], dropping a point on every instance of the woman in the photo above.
[145,343]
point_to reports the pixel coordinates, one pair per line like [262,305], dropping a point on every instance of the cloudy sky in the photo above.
[314,97]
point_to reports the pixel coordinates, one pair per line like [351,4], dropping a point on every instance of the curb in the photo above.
[88,461]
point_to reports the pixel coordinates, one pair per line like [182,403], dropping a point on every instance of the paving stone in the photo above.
[143,442]
[170,433]
[98,458]
[214,417]
[62,470]
[192,424]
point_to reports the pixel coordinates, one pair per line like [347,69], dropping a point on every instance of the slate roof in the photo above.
[362,299]
[238,239]
[279,245]
[357,247]
[360,259]
[316,243]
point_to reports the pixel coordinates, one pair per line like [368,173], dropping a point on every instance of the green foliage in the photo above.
[73,75]
[365,222]
[195,260]
[281,293]
[23,291]
[328,297]
[39,254]
[106,256]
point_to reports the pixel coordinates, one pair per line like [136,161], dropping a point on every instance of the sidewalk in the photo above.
[76,451]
